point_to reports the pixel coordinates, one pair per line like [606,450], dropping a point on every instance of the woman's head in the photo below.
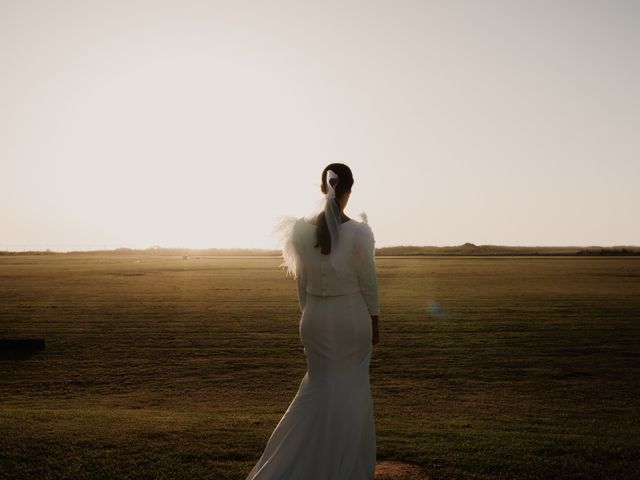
[344,184]
[343,191]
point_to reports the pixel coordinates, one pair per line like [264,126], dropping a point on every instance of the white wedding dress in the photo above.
[328,430]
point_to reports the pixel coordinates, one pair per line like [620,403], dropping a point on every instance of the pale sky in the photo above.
[197,123]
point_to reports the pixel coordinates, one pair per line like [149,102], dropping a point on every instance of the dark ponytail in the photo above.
[345,182]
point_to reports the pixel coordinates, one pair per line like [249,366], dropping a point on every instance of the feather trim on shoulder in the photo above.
[365,234]
[286,231]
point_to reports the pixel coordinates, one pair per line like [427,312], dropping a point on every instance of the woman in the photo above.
[328,431]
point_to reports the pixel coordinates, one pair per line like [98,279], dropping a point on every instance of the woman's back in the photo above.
[315,272]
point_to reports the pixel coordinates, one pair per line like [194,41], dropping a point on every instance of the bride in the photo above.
[328,430]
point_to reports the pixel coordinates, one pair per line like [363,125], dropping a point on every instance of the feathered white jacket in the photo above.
[313,271]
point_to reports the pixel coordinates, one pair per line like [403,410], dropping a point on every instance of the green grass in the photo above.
[171,368]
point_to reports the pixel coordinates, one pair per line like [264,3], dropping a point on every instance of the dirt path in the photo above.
[390,470]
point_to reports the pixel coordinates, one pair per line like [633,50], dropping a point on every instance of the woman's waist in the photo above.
[332,292]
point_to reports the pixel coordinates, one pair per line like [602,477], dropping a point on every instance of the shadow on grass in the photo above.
[20,349]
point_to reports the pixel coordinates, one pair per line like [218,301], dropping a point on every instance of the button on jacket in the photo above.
[315,274]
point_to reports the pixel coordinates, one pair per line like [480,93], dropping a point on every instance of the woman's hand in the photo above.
[375,334]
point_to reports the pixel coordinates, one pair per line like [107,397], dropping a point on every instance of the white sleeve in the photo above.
[302,288]
[366,267]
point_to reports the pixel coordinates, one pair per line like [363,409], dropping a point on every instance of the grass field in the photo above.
[160,367]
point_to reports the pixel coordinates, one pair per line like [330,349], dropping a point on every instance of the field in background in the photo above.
[164,367]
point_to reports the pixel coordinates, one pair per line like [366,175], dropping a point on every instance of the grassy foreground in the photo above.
[160,367]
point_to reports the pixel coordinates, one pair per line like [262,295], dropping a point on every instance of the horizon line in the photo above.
[467,245]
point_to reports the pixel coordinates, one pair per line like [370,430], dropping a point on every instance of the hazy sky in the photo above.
[198,123]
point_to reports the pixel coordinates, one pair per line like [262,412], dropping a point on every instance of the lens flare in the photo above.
[434,310]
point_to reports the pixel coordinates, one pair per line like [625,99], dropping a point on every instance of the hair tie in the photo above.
[331,191]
